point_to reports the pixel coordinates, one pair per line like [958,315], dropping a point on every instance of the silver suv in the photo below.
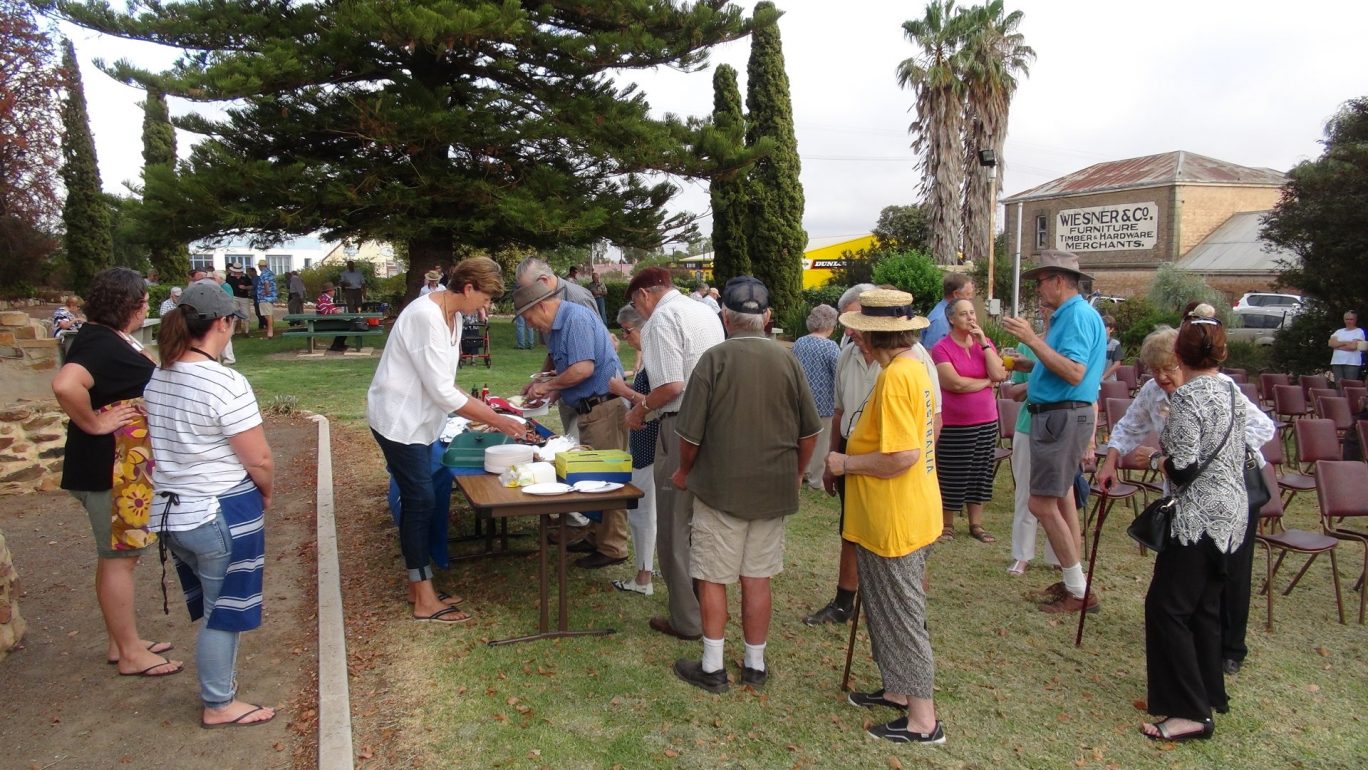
[1268,299]
[1257,324]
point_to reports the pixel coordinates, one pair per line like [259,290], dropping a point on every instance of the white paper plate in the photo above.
[590,487]
[554,488]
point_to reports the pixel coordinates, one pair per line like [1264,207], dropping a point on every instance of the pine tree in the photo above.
[437,125]
[776,237]
[89,243]
[730,204]
[168,255]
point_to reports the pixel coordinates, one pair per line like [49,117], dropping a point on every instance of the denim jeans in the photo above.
[526,337]
[410,465]
[206,550]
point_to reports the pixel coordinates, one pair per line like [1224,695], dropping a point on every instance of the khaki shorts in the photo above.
[99,508]
[1058,440]
[265,308]
[246,306]
[723,548]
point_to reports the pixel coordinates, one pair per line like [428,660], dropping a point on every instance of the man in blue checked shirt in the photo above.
[266,296]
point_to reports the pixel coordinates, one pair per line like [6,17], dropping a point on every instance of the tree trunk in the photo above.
[426,252]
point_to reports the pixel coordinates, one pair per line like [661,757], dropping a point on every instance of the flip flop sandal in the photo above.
[980,534]
[440,616]
[1208,730]
[1017,568]
[152,648]
[238,722]
[947,534]
[148,671]
[443,596]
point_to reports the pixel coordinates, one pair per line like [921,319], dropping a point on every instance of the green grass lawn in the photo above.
[1011,687]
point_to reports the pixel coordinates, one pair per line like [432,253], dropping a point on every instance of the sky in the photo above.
[1249,82]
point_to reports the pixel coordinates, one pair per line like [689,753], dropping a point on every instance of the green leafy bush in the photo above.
[914,272]
[1173,288]
[1248,356]
[1300,347]
[156,295]
[1136,318]
[616,298]
[829,294]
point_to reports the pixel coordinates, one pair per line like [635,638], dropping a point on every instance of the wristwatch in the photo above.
[1154,461]
[985,346]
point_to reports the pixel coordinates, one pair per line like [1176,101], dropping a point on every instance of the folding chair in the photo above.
[1354,395]
[1291,541]
[1129,374]
[1289,403]
[1290,482]
[1240,376]
[1349,382]
[1362,427]
[1008,411]
[1316,441]
[1098,517]
[1268,381]
[1251,392]
[1343,494]
[1309,381]
[1315,394]
[1336,410]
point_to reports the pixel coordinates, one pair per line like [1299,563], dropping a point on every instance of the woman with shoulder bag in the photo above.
[1183,605]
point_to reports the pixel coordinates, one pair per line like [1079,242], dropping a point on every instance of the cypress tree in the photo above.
[168,255]
[776,238]
[730,206]
[89,243]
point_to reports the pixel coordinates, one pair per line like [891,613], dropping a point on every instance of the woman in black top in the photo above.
[108,459]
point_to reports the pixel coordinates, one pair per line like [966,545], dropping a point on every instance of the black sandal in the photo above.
[1208,730]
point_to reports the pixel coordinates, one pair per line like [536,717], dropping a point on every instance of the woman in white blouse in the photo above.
[1147,416]
[413,392]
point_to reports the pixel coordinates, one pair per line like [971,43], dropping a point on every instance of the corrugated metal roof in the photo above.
[1235,247]
[1167,168]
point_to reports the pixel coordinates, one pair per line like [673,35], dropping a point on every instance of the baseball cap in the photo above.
[745,294]
[208,302]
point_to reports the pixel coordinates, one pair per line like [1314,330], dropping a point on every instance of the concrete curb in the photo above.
[334,701]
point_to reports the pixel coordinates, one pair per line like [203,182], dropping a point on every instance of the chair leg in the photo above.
[1300,572]
[1339,600]
[1268,583]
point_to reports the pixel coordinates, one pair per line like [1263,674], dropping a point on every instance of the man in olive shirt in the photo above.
[747,428]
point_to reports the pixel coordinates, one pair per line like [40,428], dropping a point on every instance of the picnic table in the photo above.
[490,498]
[334,325]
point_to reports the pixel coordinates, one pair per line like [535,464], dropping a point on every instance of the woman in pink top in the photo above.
[967,364]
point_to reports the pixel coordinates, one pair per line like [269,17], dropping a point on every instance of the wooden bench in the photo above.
[332,325]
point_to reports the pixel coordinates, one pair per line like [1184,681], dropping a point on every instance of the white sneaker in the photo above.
[632,585]
[577,519]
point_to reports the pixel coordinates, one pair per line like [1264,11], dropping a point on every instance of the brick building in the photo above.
[1124,218]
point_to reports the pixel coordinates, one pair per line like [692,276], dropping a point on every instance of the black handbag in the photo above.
[1151,527]
[1255,486]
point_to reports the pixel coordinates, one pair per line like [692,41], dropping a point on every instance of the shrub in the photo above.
[156,295]
[829,294]
[615,299]
[1300,346]
[914,272]
[1135,319]
[1173,288]
[1248,356]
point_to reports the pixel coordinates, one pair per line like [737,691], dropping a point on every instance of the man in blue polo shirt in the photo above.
[584,361]
[1061,395]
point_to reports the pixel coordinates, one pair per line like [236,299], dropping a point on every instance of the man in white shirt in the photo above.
[1347,362]
[170,302]
[677,332]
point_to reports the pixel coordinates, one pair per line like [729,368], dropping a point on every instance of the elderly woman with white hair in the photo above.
[817,354]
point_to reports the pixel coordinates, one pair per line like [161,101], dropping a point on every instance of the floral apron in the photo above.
[132,490]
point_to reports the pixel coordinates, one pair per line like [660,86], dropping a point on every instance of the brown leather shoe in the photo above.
[663,626]
[1053,593]
[597,560]
[1071,603]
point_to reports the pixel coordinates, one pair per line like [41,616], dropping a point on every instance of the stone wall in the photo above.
[12,624]
[26,342]
[32,443]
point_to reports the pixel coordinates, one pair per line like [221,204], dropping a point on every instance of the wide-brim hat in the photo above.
[235,268]
[432,275]
[884,310]
[204,301]
[1057,261]
[525,297]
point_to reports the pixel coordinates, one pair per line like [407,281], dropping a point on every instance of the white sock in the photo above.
[1074,580]
[712,654]
[755,656]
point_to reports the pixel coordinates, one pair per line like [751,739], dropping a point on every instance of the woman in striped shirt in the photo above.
[213,482]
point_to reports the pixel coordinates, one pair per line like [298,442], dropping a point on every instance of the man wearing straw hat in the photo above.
[1061,395]
[430,282]
[746,429]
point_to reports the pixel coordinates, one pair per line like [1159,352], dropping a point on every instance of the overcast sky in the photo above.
[1249,82]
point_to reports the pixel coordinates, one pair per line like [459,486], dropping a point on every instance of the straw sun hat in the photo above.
[884,310]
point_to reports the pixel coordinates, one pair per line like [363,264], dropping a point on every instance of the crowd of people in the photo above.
[724,427]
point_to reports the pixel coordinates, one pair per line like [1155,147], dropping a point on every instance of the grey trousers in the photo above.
[674,511]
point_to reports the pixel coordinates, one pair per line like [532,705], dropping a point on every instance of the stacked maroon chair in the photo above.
[1238,375]
[1354,395]
[1343,494]
[1129,374]
[1336,410]
[1289,405]
[1309,381]
[1273,536]
[1269,380]
[1111,390]
[1315,394]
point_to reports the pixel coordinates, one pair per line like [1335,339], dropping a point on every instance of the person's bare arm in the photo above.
[255,454]
[688,453]
[660,396]
[72,387]
[954,382]
[880,465]
[618,387]
[1067,369]
[805,447]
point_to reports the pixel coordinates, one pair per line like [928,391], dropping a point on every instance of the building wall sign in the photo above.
[1122,227]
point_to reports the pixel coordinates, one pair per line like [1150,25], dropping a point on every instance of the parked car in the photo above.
[1103,302]
[1257,324]
[1268,299]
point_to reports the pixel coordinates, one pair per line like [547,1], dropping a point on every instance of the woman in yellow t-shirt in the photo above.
[892,514]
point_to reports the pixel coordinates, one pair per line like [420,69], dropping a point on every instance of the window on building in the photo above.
[242,260]
[202,261]
[308,262]
[1042,231]
[280,263]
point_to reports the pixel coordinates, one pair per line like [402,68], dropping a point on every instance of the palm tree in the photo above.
[993,54]
[934,75]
